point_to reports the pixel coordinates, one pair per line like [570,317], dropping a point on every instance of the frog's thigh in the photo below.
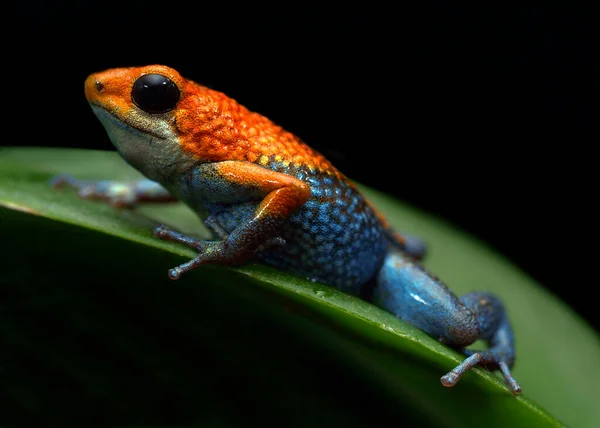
[412,294]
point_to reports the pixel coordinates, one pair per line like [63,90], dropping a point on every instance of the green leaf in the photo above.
[91,325]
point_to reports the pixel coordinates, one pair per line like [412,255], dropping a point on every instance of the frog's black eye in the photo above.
[155,93]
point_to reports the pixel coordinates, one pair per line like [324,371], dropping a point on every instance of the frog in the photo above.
[268,197]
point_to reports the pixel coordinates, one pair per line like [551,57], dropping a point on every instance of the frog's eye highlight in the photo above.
[155,93]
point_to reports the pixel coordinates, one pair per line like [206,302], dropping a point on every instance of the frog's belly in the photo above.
[341,248]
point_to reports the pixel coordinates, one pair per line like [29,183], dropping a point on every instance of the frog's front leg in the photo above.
[117,193]
[408,291]
[277,195]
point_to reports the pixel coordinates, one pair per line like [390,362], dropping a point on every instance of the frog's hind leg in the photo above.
[117,193]
[411,293]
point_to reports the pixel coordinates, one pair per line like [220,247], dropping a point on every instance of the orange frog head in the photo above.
[145,111]
[157,119]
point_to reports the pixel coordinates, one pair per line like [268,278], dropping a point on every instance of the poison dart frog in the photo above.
[269,197]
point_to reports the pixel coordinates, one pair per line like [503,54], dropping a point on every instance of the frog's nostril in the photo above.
[94,87]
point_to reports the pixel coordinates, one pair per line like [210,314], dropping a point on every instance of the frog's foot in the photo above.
[212,223]
[116,193]
[495,329]
[226,251]
[491,359]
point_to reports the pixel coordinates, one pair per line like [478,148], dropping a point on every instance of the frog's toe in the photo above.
[489,359]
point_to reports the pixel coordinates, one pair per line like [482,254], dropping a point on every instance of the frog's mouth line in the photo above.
[103,113]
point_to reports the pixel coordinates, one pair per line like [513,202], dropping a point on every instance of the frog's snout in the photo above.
[93,87]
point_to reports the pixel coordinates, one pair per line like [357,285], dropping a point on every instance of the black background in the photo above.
[486,116]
